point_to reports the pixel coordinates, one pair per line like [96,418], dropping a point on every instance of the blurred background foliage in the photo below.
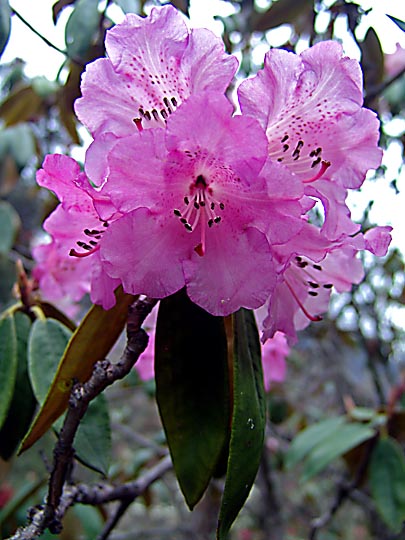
[348,369]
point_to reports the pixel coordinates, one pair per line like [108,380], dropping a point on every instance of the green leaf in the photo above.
[387,482]
[343,439]
[281,12]
[192,390]
[23,403]
[128,6]
[307,439]
[47,343]
[9,224]
[5,24]
[90,519]
[93,438]
[372,59]
[398,22]
[8,364]
[81,28]
[91,342]
[248,419]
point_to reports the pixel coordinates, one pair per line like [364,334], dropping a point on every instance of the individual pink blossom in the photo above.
[70,265]
[303,290]
[153,65]
[311,108]
[201,206]
[274,353]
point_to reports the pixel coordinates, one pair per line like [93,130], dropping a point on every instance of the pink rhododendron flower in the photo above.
[311,108]
[184,193]
[200,214]
[274,352]
[154,63]
[303,291]
[70,264]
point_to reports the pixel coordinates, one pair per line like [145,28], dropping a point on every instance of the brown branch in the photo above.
[379,89]
[104,374]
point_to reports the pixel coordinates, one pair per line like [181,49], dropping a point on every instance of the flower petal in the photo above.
[310,106]
[145,251]
[236,271]
[154,64]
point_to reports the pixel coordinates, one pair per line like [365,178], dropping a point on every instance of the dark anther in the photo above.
[298,259]
[186,201]
[312,293]
[285,148]
[177,213]
[196,205]
[202,203]
[164,114]
[166,102]
[147,115]
[317,267]
[313,284]
[217,219]
[210,222]
[174,101]
[188,227]
[183,220]
[212,206]
[315,162]
[222,206]
[155,114]
[302,264]
[328,285]
[285,138]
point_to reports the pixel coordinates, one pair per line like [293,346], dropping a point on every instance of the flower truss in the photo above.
[185,193]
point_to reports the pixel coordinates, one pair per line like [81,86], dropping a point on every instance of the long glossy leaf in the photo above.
[23,403]
[248,419]
[81,27]
[343,439]
[387,482]
[91,342]
[9,224]
[47,343]
[192,390]
[398,22]
[93,438]
[8,364]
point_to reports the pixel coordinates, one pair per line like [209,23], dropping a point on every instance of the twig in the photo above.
[104,374]
[374,92]
[44,39]
[35,31]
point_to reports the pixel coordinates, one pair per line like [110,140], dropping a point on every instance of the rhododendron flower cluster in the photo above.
[179,191]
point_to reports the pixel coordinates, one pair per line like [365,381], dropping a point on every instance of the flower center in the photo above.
[200,208]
